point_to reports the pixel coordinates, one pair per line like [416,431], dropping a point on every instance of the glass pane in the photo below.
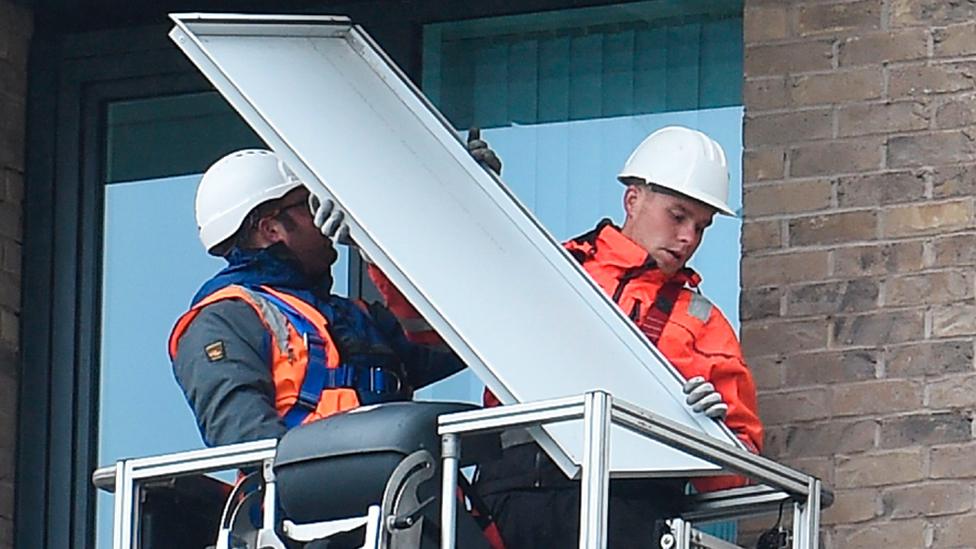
[565,173]
[618,60]
[153,263]
[174,135]
[571,93]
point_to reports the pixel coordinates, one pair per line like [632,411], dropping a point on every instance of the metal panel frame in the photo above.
[194,34]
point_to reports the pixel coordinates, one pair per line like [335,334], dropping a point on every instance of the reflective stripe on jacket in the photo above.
[415,327]
[289,352]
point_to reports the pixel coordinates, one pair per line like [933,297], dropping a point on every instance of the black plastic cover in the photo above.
[337,467]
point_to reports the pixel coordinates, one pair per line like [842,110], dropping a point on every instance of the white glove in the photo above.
[702,397]
[328,219]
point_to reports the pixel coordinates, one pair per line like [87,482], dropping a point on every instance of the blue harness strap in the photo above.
[316,373]
[372,384]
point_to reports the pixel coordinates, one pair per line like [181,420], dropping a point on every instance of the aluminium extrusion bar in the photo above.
[514,415]
[129,474]
[680,534]
[594,408]
[450,457]
[595,485]
[806,518]
[732,459]
[125,494]
[204,461]
[451,426]
[702,540]
[645,422]
[734,503]
[684,536]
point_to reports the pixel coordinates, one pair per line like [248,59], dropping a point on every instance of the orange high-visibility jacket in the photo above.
[290,352]
[697,338]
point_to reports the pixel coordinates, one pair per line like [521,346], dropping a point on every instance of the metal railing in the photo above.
[780,485]
[599,411]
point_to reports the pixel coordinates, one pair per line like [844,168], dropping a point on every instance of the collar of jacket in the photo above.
[617,251]
[273,266]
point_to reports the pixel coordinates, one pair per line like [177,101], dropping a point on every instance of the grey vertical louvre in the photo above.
[641,64]
[578,68]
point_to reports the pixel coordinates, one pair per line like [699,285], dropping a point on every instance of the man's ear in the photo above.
[270,231]
[631,197]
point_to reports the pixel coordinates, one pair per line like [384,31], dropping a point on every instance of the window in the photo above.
[153,264]
[564,97]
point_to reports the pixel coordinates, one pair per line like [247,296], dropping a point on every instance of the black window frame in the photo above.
[72,80]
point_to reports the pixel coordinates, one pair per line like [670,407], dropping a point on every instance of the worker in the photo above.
[675,181]
[265,345]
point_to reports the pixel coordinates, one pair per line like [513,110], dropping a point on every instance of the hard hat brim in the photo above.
[710,201]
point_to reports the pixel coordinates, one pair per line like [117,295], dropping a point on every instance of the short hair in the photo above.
[243,237]
[655,188]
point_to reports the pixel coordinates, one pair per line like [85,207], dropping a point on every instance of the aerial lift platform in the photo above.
[394,519]
[334,107]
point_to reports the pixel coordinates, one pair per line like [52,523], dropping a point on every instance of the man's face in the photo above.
[669,227]
[312,249]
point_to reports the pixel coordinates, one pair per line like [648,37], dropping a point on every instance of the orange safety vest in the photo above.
[290,352]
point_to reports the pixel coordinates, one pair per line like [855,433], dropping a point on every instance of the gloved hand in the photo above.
[702,397]
[328,219]
[482,152]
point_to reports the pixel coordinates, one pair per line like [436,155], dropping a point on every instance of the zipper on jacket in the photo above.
[635,311]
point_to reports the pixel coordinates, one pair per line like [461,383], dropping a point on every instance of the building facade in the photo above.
[857,272]
[858,298]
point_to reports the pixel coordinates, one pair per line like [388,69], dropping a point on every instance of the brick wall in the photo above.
[15,31]
[859,249]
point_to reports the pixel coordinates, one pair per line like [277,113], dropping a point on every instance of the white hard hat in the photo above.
[683,160]
[235,185]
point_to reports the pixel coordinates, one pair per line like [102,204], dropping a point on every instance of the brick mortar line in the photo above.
[847,104]
[820,72]
[839,210]
[884,67]
[868,209]
[883,276]
[838,37]
[854,348]
[768,252]
[811,179]
[799,109]
[872,171]
[925,383]
[888,135]
[887,416]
